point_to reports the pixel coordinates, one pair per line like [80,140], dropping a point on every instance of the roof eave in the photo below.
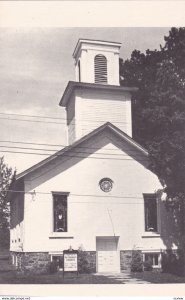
[101,42]
[72,85]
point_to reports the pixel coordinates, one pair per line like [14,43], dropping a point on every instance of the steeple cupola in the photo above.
[97,62]
[96,96]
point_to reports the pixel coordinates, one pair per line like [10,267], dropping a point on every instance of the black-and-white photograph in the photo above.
[92,159]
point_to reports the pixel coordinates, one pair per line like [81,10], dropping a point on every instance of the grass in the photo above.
[13,277]
[158,277]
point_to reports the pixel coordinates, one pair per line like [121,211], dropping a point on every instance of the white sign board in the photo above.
[70,262]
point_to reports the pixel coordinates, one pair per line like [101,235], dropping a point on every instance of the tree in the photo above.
[6,176]
[166,125]
[140,71]
[159,108]
[159,119]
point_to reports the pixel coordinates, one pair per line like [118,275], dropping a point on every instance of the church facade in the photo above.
[98,192]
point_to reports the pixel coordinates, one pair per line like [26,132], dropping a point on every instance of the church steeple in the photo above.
[97,62]
[96,96]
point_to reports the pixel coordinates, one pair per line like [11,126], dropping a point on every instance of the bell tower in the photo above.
[97,62]
[96,96]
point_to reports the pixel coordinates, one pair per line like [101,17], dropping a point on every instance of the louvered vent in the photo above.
[100,69]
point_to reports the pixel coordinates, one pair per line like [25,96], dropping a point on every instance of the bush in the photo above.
[173,262]
[53,267]
[137,261]
[84,265]
[148,265]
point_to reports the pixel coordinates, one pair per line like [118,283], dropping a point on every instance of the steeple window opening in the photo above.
[100,69]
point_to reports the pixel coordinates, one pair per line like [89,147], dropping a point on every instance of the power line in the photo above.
[78,195]
[21,152]
[35,121]
[27,148]
[29,143]
[62,123]
[80,152]
[31,116]
[53,118]
[60,145]
[34,193]
[72,156]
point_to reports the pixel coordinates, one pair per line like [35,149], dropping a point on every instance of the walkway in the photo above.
[122,278]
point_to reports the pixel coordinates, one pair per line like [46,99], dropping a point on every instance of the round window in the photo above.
[106,184]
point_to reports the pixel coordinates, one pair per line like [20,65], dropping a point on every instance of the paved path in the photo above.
[122,278]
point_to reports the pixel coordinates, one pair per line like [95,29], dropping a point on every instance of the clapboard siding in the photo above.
[96,109]
[71,120]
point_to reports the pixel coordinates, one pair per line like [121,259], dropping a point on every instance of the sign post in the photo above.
[70,261]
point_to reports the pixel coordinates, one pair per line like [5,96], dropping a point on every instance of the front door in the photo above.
[108,259]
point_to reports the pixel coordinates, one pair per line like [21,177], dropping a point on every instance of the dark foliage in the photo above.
[173,262]
[147,265]
[53,267]
[84,265]
[5,180]
[159,108]
[136,262]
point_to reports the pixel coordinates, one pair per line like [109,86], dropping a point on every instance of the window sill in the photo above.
[150,235]
[60,235]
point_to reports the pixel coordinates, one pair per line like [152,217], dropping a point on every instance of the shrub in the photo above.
[137,261]
[53,267]
[84,265]
[173,262]
[148,265]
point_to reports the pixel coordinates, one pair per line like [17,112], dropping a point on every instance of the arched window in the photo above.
[100,69]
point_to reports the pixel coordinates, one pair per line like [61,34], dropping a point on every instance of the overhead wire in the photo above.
[28,148]
[53,118]
[62,123]
[31,116]
[30,143]
[34,193]
[38,121]
[60,145]
[35,121]
[73,194]
[75,152]
[72,156]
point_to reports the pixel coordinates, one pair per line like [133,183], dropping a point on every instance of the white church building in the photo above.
[98,192]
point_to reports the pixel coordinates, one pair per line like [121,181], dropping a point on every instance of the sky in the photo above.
[35,67]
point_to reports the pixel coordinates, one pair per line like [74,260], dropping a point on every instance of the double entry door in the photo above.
[108,256]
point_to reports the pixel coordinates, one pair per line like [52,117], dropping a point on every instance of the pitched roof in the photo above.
[109,125]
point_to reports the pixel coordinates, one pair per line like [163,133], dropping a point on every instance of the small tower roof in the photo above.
[94,42]
[73,85]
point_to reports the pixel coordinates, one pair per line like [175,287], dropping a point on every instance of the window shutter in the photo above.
[100,69]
